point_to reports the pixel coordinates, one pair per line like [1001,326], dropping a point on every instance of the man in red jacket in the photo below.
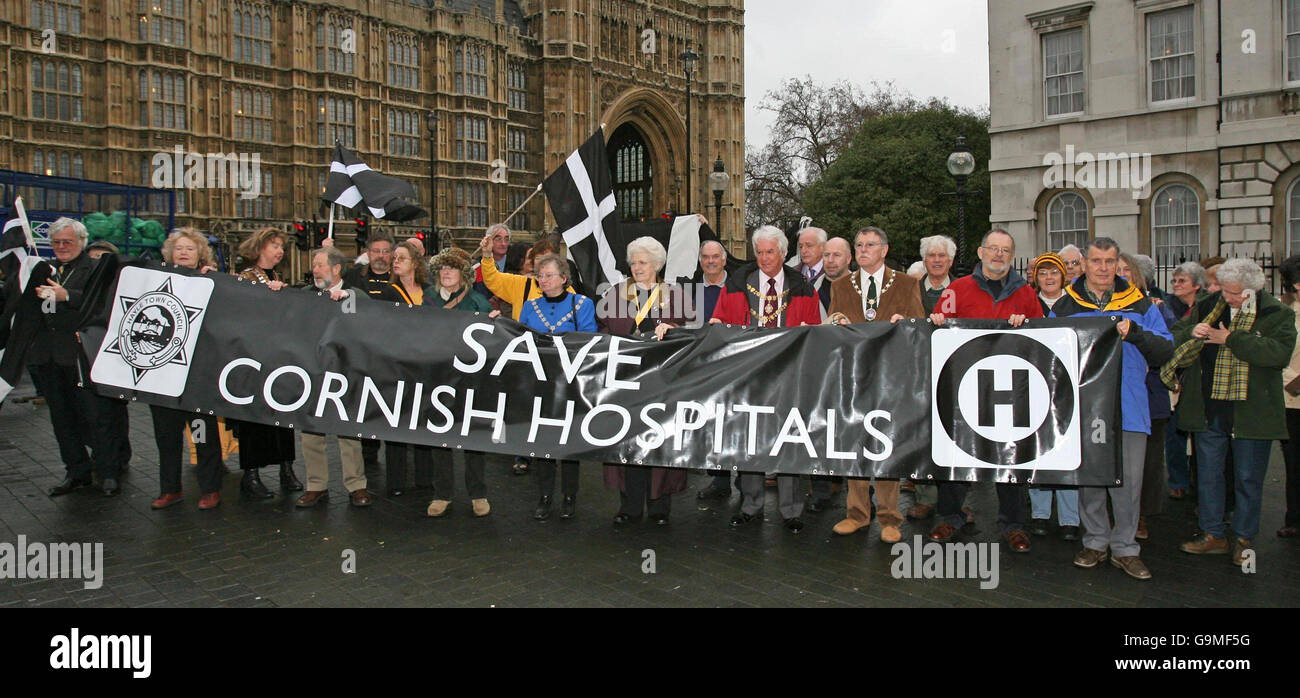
[768,295]
[993,291]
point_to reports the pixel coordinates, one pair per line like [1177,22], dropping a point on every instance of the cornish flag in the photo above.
[22,273]
[352,184]
[582,200]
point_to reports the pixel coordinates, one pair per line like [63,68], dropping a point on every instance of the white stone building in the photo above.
[1074,81]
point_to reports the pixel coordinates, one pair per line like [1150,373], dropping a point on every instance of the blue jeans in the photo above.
[1250,462]
[1067,505]
[1180,475]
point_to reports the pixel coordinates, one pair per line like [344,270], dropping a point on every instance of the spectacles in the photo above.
[999,250]
[62,243]
[550,276]
[869,245]
[1072,263]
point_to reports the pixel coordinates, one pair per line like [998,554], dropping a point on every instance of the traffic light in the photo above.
[301,238]
[318,237]
[363,235]
[430,243]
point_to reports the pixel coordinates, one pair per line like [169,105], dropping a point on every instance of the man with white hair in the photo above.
[937,253]
[80,417]
[713,266]
[812,252]
[327,276]
[767,294]
[1073,259]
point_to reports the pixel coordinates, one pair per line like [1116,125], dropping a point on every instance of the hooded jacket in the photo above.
[1148,344]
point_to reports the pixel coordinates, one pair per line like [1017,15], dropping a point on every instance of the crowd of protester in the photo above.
[1210,364]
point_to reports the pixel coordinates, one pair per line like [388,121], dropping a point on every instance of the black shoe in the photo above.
[288,481]
[543,509]
[622,519]
[251,486]
[1070,533]
[568,507]
[793,525]
[396,492]
[110,487]
[659,519]
[741,519]
[714,492]
[68,485]
[1038,527]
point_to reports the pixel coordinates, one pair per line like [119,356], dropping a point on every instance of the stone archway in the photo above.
[663,131]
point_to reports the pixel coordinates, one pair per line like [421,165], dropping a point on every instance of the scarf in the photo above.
[1231,374]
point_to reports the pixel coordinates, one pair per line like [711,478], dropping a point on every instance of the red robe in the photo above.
[734,302]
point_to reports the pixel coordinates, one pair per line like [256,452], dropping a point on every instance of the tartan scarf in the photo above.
[1231,374]
[1188,351]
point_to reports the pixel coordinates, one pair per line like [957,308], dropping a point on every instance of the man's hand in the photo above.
[703,220]
[662,329]
[275,285]
[937,319]
[338,294]
[1016,320]
[494,314]
[1124,326]
[715,321]
[327,242]
[896,318]
[1217,336]
[52,289]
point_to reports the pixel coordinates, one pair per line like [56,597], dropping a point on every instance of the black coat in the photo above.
[56,335]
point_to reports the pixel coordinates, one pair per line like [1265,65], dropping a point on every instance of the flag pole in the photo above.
[27,226]
[329,233]
[536,191]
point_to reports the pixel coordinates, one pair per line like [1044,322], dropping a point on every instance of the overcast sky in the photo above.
[928,47]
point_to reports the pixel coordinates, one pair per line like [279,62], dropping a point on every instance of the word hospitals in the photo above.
[404,405]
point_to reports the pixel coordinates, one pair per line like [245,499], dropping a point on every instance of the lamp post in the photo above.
[960,165]
[688,64]
[719,182]
[431,121]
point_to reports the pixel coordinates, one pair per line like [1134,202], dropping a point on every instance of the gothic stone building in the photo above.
[522,82]
[1209,89]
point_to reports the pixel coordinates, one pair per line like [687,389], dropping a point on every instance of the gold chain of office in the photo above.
[537,308]
[873,302]
[772,316]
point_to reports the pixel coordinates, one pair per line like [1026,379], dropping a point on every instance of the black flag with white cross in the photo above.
[582,199]
[22,271]
[352,184]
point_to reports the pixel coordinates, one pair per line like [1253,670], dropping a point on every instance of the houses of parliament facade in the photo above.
[506,89]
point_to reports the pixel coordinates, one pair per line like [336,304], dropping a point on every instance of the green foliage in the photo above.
[895,176]
[114,228]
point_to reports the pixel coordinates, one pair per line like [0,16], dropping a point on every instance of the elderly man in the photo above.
[768,295]
[1147,342]
[812,252]
[994,291]
[835,264]
[499,235]
[326,272]
[81,418]
[875,294]
[1233,347]
[937,254]
[1073,259]
[713,266]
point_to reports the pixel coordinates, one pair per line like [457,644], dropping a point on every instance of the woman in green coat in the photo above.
[452,289]
[1232,347]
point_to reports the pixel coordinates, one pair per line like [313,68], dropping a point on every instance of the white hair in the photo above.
[943,241]
[77,228]
[818,232]
[492,228]
[1070,249]
[650,247]
[1242,271]
[771,232]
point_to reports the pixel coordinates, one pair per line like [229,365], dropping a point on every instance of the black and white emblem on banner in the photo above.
[1005,399]
[152,332]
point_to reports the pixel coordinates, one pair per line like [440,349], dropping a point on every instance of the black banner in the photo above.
[1040,403]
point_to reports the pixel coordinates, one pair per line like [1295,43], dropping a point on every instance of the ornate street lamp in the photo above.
[960,165]
[688,64]
[431,121]
[719,182]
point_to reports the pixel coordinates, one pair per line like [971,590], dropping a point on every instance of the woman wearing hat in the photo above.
[1047,276]
[452,290]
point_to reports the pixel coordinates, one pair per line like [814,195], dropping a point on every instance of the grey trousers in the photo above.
[788,497]
[1125,501]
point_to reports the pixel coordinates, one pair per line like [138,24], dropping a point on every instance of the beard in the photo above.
[320,283]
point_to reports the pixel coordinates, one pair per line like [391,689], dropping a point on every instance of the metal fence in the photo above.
[1165,269]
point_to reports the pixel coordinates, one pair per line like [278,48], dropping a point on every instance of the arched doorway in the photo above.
[632,172]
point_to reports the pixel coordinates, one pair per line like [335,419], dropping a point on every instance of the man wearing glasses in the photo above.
[1073,259]
[80,417]
[994,291]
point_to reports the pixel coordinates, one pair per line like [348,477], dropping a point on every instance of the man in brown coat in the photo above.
[875,293]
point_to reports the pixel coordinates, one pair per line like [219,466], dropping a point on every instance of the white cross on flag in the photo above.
[582,200]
